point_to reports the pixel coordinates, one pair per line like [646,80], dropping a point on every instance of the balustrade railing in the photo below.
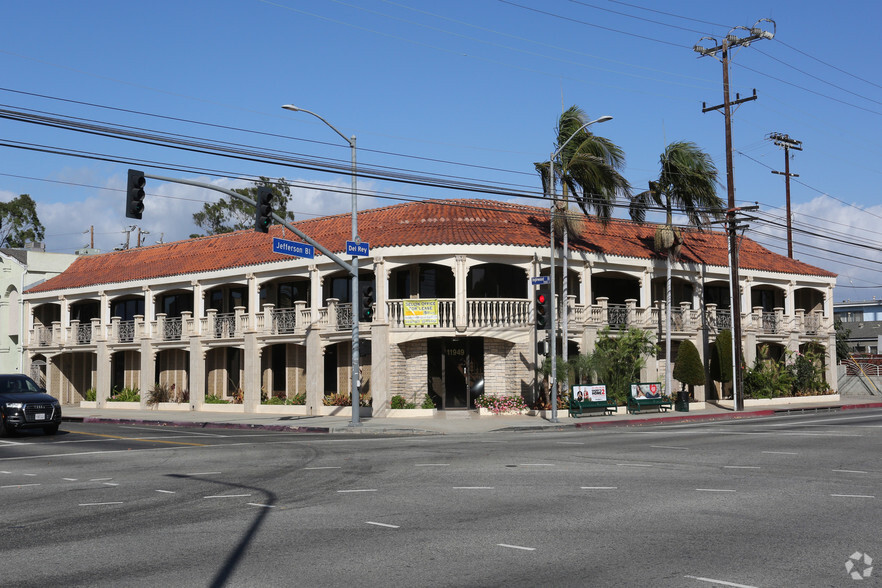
[224,325]
[479,313]
[125,332]
[84,333]
[172,328]
[284,321]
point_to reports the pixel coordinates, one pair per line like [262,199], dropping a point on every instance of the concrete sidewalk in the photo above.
[443,423]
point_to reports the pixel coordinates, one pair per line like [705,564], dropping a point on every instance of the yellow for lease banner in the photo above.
[420,312]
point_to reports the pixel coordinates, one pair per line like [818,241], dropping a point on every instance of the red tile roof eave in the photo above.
[427,224]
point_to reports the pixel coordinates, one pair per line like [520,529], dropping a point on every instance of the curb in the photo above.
[250,426]
[664,418]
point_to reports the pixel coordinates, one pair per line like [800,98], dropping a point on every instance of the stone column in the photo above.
[460,277]
[315,371]
[251,384]
[381,291]
[102,380]
[380,383]
[197,374]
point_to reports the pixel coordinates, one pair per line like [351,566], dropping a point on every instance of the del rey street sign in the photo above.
[362,248]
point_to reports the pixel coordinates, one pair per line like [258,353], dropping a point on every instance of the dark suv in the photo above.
[24,405]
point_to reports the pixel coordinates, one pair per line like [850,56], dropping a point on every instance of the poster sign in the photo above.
[646,390]
[592,393]
[420,312]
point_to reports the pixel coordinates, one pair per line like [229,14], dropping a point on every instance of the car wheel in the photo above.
[50,430]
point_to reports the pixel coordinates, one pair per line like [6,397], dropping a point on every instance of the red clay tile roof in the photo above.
[428,222]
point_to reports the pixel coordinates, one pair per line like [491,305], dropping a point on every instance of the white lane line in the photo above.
[5,472]
[357,490]
[98,503]
[166,491]
[260,505]
[473,487]
[600,487]
[852,496]
[720,582]
[570,443]
[202,473]
[4,442]
[636,465]
[100,479]
[431,465]
[323,468]
[667,447]
[382,524]
[18,485]
[850,471]
[32,475]
[741,467]
[69,479]
[781,452]
[713,490]
[521,547]
[110,484]
[228,496]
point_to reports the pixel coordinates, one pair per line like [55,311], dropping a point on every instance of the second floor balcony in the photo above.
[478,315]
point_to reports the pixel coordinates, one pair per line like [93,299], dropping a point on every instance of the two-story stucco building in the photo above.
[453,306]
[22,268]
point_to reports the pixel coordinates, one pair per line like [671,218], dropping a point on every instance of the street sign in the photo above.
[293,248]
[353,248]
[539,281]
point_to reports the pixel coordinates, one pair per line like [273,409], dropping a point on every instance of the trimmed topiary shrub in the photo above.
[688,369]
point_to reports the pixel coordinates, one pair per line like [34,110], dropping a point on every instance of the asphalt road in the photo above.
[779,501]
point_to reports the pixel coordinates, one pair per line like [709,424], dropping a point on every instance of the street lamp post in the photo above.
[553,350]
[354,388]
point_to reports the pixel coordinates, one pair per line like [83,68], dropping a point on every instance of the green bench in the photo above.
[582,401]
[636,404]
[646,395]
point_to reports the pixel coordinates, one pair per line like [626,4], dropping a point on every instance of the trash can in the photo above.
[682,402]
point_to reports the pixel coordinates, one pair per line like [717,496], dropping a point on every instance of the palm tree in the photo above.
[688,182]
[587,166]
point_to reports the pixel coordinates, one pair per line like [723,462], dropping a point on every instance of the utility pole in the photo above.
[128,232]
[782,140]
[730,41]
[140,232]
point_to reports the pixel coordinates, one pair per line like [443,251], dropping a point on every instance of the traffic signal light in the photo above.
[366,308]
[542,308]
[542,347]
[263,212]
[135,194]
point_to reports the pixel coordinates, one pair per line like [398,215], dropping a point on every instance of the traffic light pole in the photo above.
[351,269]
[333,257]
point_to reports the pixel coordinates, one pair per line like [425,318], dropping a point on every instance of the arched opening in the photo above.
[423,280]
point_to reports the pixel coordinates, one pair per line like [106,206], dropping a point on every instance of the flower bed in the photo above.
[500,405]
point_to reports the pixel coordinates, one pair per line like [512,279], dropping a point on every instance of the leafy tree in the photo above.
[229,214]
[617,360]
[768,378]
[721,358]
[689,370]
[842,334]
[19,222]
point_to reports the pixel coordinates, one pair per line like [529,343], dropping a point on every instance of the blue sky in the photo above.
[465,89]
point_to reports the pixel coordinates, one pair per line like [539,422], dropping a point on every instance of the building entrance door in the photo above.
[456,371]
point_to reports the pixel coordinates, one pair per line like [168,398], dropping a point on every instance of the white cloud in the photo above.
[168,211]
